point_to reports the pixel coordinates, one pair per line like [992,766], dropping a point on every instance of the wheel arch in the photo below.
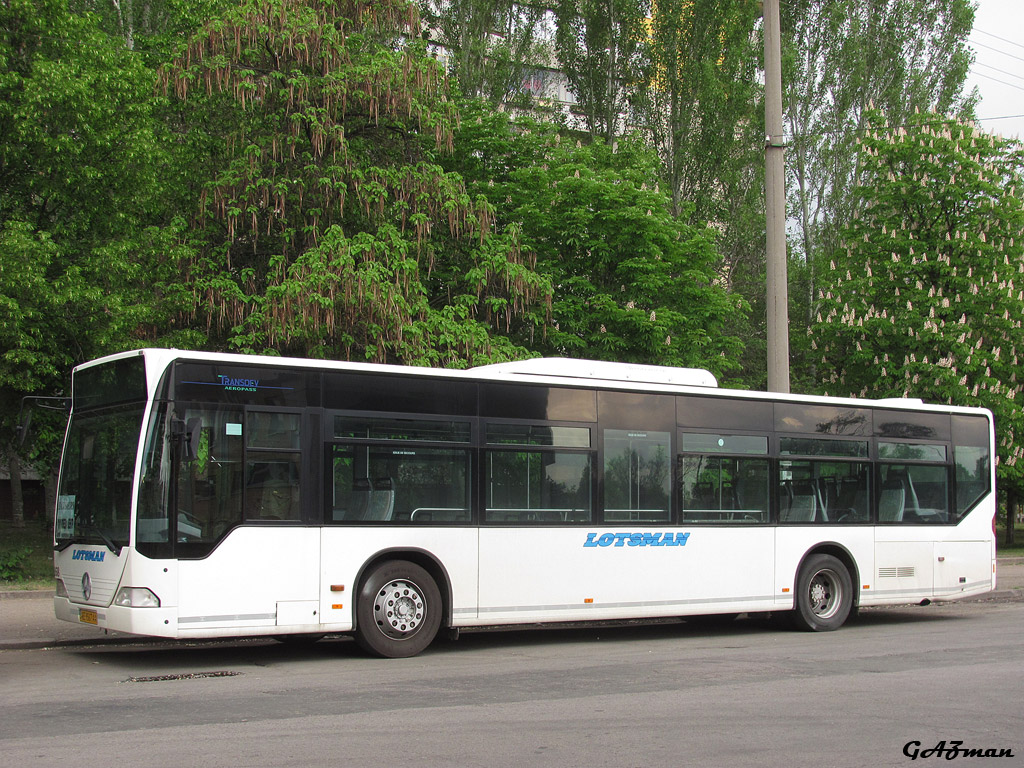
[421,557]
[842,554]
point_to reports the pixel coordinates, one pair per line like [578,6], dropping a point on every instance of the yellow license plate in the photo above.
[86,616]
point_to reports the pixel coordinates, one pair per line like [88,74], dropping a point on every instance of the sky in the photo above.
[998,69]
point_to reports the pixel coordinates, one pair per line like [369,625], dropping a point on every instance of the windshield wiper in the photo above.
[89,527]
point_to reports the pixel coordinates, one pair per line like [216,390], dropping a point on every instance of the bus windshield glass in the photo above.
[94,497]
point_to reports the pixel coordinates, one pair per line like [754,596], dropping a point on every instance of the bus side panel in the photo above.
[904,571]
[962,568]
[347,549]
[794,543]
[571,574]
[259,579]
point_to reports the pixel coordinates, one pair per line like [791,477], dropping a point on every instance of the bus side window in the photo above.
[399,483]
[723,489]
[914,483]
[637,475]
[273,467]
[723,478]
[972,461]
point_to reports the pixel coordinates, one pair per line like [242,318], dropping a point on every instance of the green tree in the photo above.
[699,106]
[326,225]
[600,46]
[80,200]
[839,58]
[489,46]
[631,282]
[925,299]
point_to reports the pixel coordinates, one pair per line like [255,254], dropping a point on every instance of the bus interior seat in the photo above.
[358,501]
[803,504]
[892,500]
[382,500]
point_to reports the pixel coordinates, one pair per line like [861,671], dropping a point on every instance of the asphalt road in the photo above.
[751,694]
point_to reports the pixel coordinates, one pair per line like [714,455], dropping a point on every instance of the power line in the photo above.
[990,48]
[997,37]
[996,80]
[1001,117]
[1001,71]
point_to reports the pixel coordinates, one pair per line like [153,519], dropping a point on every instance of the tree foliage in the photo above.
[600,46]
[80,192]
[489,46]
[844,56]
[926,298]
[328,227]
[700,106]
[840,57]
[631,282]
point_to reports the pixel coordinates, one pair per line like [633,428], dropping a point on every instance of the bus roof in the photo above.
[598,369]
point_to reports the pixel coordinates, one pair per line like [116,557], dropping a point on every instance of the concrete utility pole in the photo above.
[775,204]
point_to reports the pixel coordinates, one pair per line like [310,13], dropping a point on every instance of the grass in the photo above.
[1004,550]
[26,556]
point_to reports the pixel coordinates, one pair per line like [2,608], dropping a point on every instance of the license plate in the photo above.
[86,616]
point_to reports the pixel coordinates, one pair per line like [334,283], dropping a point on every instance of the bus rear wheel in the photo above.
[398,611]
[824,594]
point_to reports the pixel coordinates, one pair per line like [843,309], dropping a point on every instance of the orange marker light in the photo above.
[337,606]
[588,600]
[337,587]
[785,589]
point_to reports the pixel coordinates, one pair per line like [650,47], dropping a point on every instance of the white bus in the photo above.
[208,495]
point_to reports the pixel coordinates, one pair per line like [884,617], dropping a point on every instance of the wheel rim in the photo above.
[399,609]
[825,593]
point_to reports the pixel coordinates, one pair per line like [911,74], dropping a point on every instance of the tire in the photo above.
[398,611]
[824,594]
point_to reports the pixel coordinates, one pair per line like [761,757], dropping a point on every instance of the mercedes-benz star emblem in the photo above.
[86,586]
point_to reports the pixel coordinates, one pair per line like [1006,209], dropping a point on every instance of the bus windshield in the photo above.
[95,491]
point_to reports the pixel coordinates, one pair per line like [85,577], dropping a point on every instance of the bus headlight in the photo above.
[136,597]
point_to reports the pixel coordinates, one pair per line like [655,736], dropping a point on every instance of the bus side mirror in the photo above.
[21,431]
[189,433]
[25,414]
[193,433]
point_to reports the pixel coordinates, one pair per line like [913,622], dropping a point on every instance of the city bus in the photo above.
[211,495]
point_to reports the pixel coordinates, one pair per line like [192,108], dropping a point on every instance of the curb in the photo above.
[26,594]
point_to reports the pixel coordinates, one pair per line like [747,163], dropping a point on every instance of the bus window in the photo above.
[211,485]
[389,474]
[972,461]
[407,484]
[715,487]
[637,475]
[273,466]
[543,480]
[824,487]
[913,493]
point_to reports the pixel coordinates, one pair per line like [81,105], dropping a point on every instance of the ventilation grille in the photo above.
[896,572]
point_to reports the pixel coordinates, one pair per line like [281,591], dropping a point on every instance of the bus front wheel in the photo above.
[398,611]
[824,594]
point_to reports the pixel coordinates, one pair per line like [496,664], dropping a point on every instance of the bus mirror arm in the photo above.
[25,414]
